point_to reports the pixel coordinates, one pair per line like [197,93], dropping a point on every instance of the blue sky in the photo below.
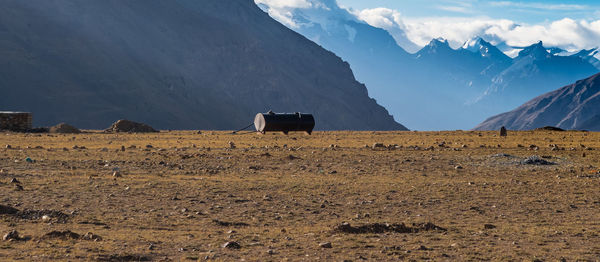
[520,11]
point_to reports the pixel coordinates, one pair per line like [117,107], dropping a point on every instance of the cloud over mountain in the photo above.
[412,33]
[566,33]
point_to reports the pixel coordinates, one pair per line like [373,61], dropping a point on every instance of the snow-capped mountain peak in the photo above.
[486,49]
[473,45]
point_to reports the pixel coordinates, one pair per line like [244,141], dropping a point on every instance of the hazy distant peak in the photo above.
[556,50]
[536,51]
[592,56]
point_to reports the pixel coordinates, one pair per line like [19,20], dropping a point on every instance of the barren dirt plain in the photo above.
[332,196]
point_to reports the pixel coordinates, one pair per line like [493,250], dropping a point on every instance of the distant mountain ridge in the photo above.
[576,106]
[178,64]
[439,87]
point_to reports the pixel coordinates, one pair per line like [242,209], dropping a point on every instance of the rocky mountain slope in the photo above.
[576,106]
[180,64]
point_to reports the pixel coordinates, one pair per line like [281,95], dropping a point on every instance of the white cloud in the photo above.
[456,9]
[285,3]
[540,6]
[566,33]
[297,13]
[381,17]
[390,20]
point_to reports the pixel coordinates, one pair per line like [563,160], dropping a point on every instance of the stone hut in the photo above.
[15,121]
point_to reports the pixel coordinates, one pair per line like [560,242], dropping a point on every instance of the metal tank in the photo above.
[284,122]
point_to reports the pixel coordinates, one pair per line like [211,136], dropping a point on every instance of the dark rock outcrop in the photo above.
[126,126]
[63,128]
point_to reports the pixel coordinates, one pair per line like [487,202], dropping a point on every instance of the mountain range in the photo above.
[574,106]
[178,64]
[438,87]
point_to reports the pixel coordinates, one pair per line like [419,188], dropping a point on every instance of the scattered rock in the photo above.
[63,128]
[122,258]
[12,235]
[382,228]
[231,145]
[130,127]
[56,216]
[378,145]
[538,161]
[91,236]
[64,235]
[229,224]
[549,128]
[325,245]
[489,226]
[15,181]
[501,155]
[424,248]
[232,245]
[7,210]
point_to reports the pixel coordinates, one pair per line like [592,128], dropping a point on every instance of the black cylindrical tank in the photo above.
[266,122]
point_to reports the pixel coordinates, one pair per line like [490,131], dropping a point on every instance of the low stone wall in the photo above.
[15,121]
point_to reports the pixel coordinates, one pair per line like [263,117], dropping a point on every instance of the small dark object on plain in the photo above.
[503,131]
[272,122]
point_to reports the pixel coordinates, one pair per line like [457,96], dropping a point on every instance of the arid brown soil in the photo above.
[333,196]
